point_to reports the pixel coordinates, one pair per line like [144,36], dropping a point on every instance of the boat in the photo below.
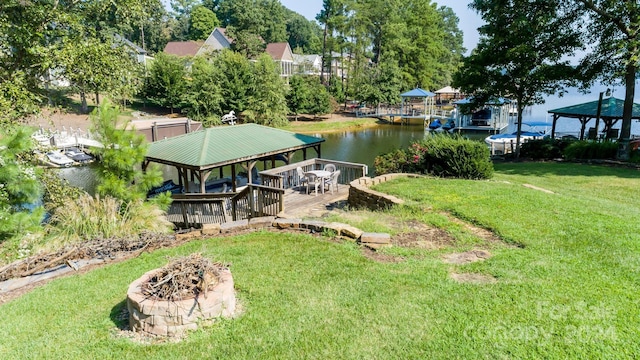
[435,124]
[501,144]
[59,159]
[78,155]
[481,117]
[168,185]
[449,125]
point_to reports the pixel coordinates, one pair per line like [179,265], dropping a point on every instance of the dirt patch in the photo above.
[467,257]
[473,278]
[426,238]
[381,257]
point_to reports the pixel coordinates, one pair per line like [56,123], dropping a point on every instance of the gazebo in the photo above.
[610,113]
[417,93]
[197,154]
[447,93]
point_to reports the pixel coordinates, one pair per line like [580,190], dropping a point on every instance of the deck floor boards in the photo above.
[297,203]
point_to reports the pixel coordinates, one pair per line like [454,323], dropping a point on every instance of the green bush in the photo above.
[544,149]
[587,150]
[457,157]
[440,155]
[395,161]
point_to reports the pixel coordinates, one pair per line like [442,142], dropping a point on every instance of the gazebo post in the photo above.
[553,126]
[233,177]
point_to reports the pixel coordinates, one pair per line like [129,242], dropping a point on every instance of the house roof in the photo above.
[280,51]
[224,145]
[611,108]
[417,92]
[448,90]
[306,58]
[121,39]
[183,48]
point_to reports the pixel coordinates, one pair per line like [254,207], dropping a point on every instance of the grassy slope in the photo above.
[570,292]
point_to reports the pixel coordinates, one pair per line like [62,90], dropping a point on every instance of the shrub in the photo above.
[544,149]
[395,161]
[440,155]
[586,150]
[104,217]
[457,157]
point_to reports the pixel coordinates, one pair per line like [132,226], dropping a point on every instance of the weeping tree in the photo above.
[522,53]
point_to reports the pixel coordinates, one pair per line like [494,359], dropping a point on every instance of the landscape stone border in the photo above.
[361,196]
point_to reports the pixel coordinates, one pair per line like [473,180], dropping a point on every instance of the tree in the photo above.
[18,184]
[522,53]
[613,30]
[123,151]
[203,97]
[201,23]
[307,95]
[181,11]
[303,34]
[92,65]
[267,104]
[380,83]
[166,81]
[234,76]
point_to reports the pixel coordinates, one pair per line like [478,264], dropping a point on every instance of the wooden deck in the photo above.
[297,203]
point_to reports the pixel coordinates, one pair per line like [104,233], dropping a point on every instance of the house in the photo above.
[132,49]
[281,53]
[217,40]
[307,64]
[183,48]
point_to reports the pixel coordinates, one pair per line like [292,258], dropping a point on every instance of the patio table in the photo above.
[320,174]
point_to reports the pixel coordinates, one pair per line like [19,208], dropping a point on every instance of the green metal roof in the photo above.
[611,108]
[225,145]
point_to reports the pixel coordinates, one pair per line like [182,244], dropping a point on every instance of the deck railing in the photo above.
[286,177]
[193,210]
[257,200]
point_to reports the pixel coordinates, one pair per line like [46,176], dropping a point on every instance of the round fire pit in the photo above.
[174,317]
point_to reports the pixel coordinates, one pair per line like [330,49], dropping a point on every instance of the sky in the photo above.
[469,19]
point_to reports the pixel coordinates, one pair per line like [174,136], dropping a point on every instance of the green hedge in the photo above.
[440,155]
[586,150]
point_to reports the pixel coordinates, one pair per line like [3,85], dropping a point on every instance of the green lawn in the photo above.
[323,126]
[569,289]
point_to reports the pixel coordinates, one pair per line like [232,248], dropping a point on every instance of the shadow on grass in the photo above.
[120,315]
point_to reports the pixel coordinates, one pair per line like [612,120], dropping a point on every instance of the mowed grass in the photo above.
[321,125]
[568,290]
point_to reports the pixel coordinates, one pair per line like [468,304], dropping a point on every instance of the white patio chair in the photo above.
[313,180]
[302,178]
[329,168]
[332,181]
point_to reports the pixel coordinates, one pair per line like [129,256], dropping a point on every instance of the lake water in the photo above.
[362,146]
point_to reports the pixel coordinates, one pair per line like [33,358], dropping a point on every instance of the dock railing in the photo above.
[286,177]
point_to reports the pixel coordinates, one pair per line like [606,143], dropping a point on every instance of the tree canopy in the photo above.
[522,53]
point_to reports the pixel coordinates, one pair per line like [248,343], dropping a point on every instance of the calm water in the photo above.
[362,146]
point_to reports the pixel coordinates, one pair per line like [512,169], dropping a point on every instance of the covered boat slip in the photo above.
[490,117]
[197,155]
[609,110]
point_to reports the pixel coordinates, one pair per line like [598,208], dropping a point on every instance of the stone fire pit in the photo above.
[173,318]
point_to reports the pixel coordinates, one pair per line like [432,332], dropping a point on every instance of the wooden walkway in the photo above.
[297,203]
